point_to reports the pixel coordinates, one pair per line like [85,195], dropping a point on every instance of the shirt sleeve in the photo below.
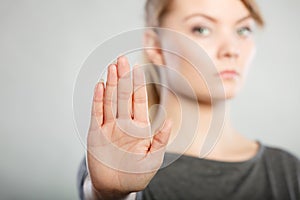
[284,173]
[81,175]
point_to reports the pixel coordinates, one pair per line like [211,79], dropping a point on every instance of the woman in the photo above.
[236,168]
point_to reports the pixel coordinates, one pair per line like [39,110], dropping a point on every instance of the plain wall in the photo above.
[42,47]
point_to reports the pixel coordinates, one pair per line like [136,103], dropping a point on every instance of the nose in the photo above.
[228,49]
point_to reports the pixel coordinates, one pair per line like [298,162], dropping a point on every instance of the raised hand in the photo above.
[122,154]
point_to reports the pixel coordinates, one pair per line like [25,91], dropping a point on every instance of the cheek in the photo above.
[192,81]
[248,51]
[208,46]
[193,65]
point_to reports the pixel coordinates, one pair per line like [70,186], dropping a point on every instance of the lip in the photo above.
[228,74]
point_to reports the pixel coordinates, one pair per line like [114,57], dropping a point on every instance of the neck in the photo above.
[198,128]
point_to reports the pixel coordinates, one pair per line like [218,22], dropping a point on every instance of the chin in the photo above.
[231,92]
[227,91]
[232,86]
[230,96]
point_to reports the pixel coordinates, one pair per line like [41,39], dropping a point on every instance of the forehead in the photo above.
[219,9]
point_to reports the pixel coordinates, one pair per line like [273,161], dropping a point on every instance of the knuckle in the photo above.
[109,101]
[140,100]
[97,113]
[125,95]
[111,85]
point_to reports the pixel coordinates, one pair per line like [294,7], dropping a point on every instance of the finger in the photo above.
[110,103]
[97,107]
[160,140]
[124,107]
[140,102]
[98,103]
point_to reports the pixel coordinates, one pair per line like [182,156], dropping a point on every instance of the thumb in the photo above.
[160,140]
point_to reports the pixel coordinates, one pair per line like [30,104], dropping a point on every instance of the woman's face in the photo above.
[224,30]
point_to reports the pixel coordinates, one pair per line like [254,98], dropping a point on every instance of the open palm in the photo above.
[122,154]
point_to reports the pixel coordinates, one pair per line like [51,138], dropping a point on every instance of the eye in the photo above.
[201,30]
[244,31]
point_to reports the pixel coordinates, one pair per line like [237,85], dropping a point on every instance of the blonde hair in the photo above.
[155,10]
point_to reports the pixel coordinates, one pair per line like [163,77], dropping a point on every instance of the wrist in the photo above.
[92,193]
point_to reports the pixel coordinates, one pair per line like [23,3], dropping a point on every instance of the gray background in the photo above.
[44,43]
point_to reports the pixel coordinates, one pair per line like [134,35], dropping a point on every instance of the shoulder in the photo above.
[276,152]
[281,158]
[283,169]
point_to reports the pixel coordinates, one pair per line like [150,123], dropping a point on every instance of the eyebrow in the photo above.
[213,19]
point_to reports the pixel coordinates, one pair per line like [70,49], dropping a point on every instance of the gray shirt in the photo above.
[271,174]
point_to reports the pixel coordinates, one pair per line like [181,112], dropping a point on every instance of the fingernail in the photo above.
[113,68]
[102,80]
